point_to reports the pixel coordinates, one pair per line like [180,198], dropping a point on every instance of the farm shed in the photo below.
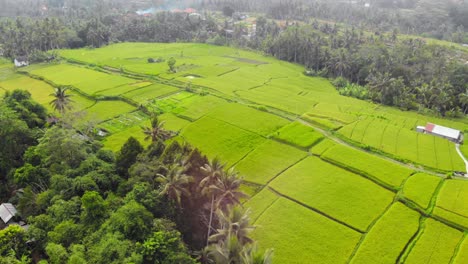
[7,212]
[441,131]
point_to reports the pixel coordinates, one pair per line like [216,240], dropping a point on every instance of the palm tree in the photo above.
[156,132]
[228,189]
[250,255]
[227,251]
[234,222]
[62,100]
[174,183]
[212,173]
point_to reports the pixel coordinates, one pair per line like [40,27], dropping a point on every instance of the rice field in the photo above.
[314,199]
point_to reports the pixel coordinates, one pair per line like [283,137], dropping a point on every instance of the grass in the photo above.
[462,256]
[298,134]
[388,238]
[385,171]
[452,202]
[298,234]
[420,188]
[322,146]
[267,161]
[104,110]
[260,202]
[199,106]
[40,92]
[87,80]
[334,191]
[216,138]
[133,129]
[248,118]
[436,245]
[148,93]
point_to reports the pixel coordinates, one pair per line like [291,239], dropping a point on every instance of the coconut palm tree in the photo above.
[251,255]
[233,222]
[62,101]
[228,191]
[156,131]
[213,172]
[174,183]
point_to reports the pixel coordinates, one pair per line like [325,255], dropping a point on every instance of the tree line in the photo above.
[166,203]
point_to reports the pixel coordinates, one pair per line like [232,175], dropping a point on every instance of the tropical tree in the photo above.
[62,101]
[156,132]
[233,222]
[228,191]
[175,182]
[213,172]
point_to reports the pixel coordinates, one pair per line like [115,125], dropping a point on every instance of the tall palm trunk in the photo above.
[211,219]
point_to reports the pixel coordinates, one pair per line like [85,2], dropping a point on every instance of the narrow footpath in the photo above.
[457,147]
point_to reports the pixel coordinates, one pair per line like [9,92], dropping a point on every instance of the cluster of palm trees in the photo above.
[215,192]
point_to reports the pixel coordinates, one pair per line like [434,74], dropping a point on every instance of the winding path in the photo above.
[457,147]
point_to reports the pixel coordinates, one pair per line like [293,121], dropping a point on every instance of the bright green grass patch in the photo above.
[124,121]
[87,80]
[105,110]
[145,94]
[462,256]
[198,106]
[452,202]
[336,192]
[219,139]
[260,203]
[436,245]
[267,161]
[116,140]
[41,92]
[389,236]
[322,122]
[322,146]
[298,134]
[248,118]
[420,188]
[367,164]
[300,235]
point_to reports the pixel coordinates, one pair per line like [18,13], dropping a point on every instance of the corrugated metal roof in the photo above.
[7,211]
[443,131]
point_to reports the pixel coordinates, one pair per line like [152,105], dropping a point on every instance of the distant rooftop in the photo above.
[443,131]
[7,212]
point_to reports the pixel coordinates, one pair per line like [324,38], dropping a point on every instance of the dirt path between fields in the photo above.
[457,147]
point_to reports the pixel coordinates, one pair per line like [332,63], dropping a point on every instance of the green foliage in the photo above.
[57,253]
[28,110]
[171,63]
[164,247]
[127,155]
[94,208]
[13,242]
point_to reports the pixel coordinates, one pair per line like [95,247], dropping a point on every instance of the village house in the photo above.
[441,131]
[21,61]
[7,213]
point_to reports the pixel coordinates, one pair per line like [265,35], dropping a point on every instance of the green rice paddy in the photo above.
[321,168]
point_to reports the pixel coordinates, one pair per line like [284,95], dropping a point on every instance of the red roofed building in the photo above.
[441,131]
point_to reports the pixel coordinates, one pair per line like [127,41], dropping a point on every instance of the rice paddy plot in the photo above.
[267,161]
[151,92]
[116,140]
[364,163]
[298,135]
[216,138]
[323,123]
[437,244]
[124,121]
[259,203]
[87,80]
[452,202]
[462,256]
[336,192]
[388,237]
[298,234]
[122,89]
[105,110]
[322,146]
[420,188]
[199,106]
[329,110]
[248,118]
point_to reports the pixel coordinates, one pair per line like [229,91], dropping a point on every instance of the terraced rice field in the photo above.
[320,192]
